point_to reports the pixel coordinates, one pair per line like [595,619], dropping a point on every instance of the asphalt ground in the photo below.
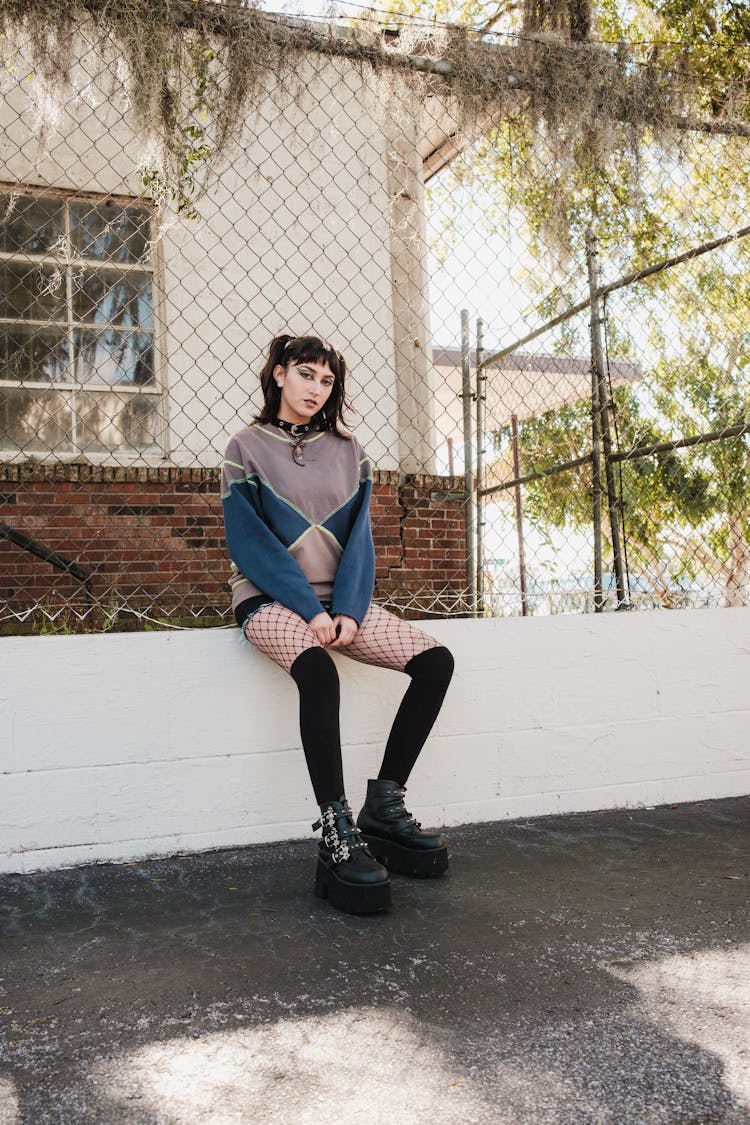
[571,969]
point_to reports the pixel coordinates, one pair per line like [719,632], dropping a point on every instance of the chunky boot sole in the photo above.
[351,898]
[420,864]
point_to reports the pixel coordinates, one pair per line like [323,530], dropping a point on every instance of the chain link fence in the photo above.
[613,467]
[527,460]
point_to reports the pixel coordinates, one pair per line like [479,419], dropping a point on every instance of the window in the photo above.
[78,372]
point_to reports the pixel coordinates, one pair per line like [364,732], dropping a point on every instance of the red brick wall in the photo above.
[152,539]
[422,562]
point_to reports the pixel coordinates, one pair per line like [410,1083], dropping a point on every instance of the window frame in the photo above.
[69,261]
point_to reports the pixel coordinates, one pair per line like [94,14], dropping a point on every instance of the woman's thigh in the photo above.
[386,641]
[280,633]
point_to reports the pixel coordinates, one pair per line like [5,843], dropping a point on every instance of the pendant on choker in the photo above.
[297,434]
[298,455]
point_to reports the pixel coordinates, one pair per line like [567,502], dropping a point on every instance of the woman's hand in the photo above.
[346,630]
[324,628]
[336,632]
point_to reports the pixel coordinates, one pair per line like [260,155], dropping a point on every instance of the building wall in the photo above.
[122,746]
[412,335]
[153,539]
[294,236]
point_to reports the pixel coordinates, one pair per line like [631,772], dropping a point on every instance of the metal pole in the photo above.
[480,397]
[596,422]
[519,518]
[561,467]
[622,282]
[682,443]
[599,364]
[468,462]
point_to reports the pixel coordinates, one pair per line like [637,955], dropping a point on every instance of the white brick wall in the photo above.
[122,746]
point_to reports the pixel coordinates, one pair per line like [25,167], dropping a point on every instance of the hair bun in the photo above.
[279,344]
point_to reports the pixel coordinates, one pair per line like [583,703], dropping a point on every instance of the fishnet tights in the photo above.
[382,639]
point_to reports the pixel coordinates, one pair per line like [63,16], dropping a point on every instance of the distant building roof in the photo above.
[518,385]
[621,369]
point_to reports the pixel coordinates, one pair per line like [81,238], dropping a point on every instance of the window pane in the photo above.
[111,422]
[112,298]
[32,292]
[33,353]
[34,421]
[110,232]
[30,224]
[112,356]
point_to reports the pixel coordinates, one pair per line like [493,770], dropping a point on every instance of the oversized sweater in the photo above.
[299,534]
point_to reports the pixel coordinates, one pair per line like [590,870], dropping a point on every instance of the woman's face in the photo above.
[305,389]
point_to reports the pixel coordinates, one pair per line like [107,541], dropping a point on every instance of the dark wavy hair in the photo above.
[305,349]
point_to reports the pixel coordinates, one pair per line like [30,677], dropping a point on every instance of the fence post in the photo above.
[599,374]
[481,381]
[519,517]
[466,395]
[596,422]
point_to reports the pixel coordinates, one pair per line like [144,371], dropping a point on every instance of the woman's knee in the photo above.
[433,665]
[315,668]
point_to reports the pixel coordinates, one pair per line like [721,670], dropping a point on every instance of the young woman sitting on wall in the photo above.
[296,491]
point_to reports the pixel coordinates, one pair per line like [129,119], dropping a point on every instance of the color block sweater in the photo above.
[299,534]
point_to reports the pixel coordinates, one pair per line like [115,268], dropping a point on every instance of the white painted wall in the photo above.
[123,746]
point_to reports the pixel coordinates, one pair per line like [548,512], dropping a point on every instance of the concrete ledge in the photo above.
[129,745]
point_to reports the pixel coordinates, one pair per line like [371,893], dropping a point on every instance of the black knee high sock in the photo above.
[318,681]
[430,673]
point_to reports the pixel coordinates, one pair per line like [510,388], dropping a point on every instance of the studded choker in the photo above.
[297,433]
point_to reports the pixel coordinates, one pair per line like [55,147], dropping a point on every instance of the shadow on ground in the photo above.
[590,968]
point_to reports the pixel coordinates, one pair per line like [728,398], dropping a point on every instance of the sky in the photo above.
[316,8]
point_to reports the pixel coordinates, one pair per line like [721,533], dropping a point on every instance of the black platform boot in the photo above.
[348,875]
[395,837]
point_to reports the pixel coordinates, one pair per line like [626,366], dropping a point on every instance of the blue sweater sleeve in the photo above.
[355,576]
[256,551]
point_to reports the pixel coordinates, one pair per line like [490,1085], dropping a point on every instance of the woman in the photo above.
[296,492]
